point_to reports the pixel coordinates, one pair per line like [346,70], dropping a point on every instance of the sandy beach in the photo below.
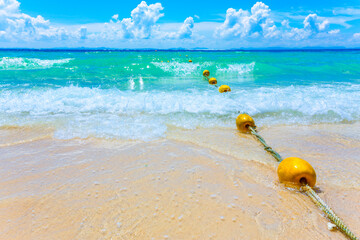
[194,184]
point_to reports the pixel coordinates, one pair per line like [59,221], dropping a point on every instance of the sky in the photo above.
[226,24]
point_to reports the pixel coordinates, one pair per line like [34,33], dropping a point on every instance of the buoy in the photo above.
[206,73]
[168,61]
[243,122]
[186,56]
[296,171]
[190,60]
[161,61]
[224,88]
[212,81]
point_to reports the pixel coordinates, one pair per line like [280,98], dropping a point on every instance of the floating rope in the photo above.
[328,211]
[266,146]
[309,192]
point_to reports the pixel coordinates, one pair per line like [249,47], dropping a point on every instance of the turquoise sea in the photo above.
[140,95]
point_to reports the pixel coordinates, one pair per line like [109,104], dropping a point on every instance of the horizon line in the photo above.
[104,49]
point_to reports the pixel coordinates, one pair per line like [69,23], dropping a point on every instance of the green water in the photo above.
[138,95]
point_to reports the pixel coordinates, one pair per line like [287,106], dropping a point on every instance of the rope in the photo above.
[310,192]
[266,147]
[328,211]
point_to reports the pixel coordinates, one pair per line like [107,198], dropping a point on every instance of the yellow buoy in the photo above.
[296,171]
[206,73]
[224,88]
[168,61]
[190,60]
[186,56]
[243,122]
[212,81]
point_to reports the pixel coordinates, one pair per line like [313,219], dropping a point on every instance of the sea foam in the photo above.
[82,112]
[237,68]
[19,63]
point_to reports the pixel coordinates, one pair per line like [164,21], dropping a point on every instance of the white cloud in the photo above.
[347,11]
[143,20]
[83,33]
[141,25]
[185,31]
[142,29]
[356,36]
[19,27]
[243,23]
[115,17]
[285,23]
[313,23]
[9,6]
[335,31]
[313,26]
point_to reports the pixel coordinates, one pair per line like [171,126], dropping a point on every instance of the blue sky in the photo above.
[169,24]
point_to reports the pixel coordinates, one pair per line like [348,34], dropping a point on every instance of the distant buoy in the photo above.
[243,122]
[206,73]
[224,88]
[296,171]
[168,61]
[212,81]
[190,60]
[186,56]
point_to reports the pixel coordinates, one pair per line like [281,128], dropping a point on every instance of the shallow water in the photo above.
[139,95]
[119,145]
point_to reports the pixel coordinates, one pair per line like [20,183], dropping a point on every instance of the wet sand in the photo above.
[194,184]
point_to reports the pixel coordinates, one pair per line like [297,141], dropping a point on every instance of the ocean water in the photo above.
[140,95]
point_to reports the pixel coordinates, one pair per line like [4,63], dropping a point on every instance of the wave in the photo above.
[83,112]
[237,68]
[179,68]
[18,63]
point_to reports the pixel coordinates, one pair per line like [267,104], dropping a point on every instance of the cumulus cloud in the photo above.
[141,24]
[185,31]
[243,23]
[313,26]
[18,26]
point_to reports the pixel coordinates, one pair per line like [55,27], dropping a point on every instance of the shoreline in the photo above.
[212,183]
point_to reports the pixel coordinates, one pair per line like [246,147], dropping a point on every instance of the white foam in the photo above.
[237,68]
[180,68]
[141,82]
[131,84]
[83,112]
[18,63]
